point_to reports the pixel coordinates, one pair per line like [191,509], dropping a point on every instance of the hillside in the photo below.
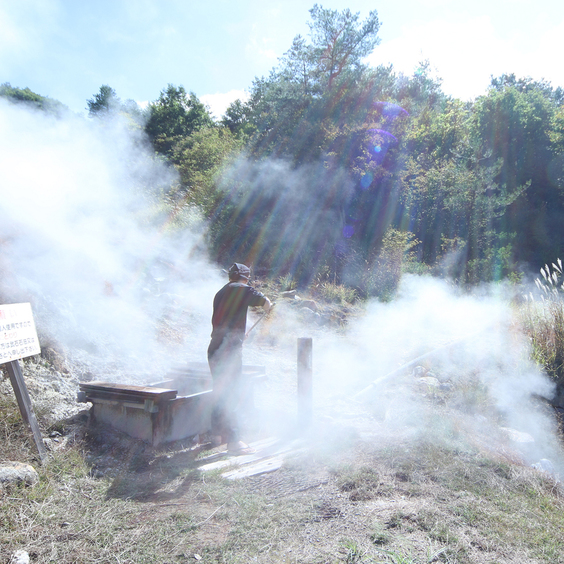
[422,467]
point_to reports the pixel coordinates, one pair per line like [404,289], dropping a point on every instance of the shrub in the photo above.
[382,280]
[337,293]
[543,321]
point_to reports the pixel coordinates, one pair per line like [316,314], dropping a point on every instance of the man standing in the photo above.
[225,354]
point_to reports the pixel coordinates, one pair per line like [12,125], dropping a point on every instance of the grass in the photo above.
[450,496]
[409,502]
[14,435]
[543,321]
[336,293]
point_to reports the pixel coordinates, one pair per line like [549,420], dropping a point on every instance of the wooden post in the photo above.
[24,402]
[305,390]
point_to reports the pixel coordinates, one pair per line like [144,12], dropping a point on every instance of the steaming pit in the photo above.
[176,408]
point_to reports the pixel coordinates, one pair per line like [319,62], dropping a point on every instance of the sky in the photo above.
[66,49]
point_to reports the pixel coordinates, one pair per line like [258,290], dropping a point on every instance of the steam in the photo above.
[469,344]
[84,236]
[81,237]
[290,219]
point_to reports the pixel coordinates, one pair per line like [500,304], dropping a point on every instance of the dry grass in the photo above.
[105,498]
[452,496]
[543,320]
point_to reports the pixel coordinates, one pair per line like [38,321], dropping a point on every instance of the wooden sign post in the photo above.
[18,339]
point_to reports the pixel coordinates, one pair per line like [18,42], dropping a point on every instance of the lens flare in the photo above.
[390,110]
[382,138]
[366,180]
[380,141]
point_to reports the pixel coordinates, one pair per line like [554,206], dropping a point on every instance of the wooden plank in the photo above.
[269,456]
[261,466]
[24,403]
[111,390]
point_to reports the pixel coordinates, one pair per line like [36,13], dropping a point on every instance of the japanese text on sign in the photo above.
[18,337]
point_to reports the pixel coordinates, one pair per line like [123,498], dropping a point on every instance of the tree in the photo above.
[26,96]
[517,121]
[294,110]
[340,41]
[173,116]
[236,119]
[104,102]
[199,159]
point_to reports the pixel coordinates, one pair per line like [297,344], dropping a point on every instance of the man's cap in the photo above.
[241,270]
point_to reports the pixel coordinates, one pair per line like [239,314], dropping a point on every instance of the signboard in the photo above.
[18,337]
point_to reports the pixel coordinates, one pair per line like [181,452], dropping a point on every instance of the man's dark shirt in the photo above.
[230,309]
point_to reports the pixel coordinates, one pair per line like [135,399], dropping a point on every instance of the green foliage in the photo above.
[339,42]
[106,105]
[26,96]
[174,116]
[297,181]
[200,158]
[382,276]
[315,89]
[236,119]
[451,192]
[104,102]
[514,123]
[352,551]
[269,219]
[287,283]
[336,293]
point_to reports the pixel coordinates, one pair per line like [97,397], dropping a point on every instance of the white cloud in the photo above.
[466,53]
[263,49]
[546,60]
[220,101]
[463,61]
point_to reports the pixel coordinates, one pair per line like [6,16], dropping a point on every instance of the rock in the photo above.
[20,557]
[309,315]
[544,465]
[443,378]
[310,304]
[15,472]
[289,295]
[517,436]
[325,319]
[429,381]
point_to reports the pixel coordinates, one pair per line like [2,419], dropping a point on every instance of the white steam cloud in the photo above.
[438,358]
[436,364]
[81,237]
